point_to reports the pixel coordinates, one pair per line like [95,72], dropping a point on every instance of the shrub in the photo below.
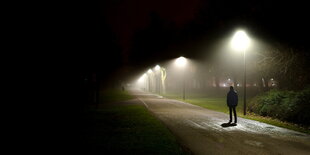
[284,105]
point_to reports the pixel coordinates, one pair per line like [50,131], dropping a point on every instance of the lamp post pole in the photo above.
[159,82]
[183,85]
[181,62]
[240,42]
[244,84]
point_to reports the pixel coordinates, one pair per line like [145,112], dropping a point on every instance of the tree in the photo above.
[287,65]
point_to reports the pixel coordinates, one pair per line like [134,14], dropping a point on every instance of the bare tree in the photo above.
[286,65]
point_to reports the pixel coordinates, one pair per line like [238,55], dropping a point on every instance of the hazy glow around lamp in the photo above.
[150,71]
[240,41]
[181,61]
[157,67]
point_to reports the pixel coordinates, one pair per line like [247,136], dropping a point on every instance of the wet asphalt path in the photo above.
[200,130]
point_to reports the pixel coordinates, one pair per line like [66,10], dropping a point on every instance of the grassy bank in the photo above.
[110,96]
[219,104]
[125,128]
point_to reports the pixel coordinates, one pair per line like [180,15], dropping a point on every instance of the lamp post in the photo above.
[181,62]
[157,69]
[240,42]
[163,76]
[149,78]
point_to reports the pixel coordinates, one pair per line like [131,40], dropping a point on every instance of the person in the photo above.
[232,102]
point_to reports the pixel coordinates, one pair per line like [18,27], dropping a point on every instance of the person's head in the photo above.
[231,88]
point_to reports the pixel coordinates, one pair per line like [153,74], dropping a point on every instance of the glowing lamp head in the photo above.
[181,61]
[141,79]
[149,71]
[157,67]
[240,41]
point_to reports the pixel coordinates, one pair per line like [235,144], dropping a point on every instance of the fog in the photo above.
[211,75]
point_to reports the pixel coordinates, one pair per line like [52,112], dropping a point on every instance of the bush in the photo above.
[284,105]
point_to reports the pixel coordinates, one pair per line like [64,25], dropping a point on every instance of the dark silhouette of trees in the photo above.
[287,65]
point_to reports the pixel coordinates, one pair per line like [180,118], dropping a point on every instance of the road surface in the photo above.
[200,130]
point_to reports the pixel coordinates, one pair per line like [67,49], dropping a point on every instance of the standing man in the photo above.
[232,102]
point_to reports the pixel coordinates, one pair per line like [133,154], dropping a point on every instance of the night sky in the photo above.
[125,36]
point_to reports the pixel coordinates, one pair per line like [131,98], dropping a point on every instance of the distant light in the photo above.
[141,79]
[157,67]
[224,85]
[271,79]
[181,61]
[238,85]
[228,79]
[150,71]
[240,41]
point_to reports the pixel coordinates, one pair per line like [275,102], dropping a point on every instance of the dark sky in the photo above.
[127,16]
[140,33]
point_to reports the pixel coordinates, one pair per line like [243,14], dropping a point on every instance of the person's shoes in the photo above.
[233,124]
[229,122]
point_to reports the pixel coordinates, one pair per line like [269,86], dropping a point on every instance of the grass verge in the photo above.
[125,128]
[109,96]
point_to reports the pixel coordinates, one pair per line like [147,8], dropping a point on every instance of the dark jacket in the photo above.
[232,98]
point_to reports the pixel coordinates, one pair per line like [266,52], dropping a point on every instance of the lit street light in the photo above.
[241,42]
[149,78]
[181,62]
[162,79]
[158,75]
[157,67]
[149,71]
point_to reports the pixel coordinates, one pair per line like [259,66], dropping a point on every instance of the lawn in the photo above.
[125,128]
[113,95]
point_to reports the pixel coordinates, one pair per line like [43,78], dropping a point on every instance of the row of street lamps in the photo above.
[240,42]
[148,82]
[160,77]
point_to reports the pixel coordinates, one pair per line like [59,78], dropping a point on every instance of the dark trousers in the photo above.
[230,114]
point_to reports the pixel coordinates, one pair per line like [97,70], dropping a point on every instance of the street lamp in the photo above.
[241,42]
[181,62]
[163,74]
[158,74]
[149,79]
[157,67]
[149,71]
